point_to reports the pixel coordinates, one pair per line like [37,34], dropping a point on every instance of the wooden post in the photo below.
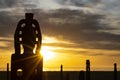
[7,71]
[61,72]
[115,71]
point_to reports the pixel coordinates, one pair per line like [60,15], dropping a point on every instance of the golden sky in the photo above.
[70,58]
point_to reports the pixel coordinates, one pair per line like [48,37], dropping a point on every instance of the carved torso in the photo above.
[27,33]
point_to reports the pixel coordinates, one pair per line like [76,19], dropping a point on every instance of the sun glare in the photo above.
[47,53]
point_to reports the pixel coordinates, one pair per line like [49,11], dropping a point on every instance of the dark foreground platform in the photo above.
[72,75]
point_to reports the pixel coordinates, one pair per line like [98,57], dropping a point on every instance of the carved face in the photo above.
[29,16]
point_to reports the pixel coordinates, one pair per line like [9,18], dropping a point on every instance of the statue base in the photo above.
[26,67]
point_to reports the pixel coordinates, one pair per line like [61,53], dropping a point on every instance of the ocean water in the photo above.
[71,75]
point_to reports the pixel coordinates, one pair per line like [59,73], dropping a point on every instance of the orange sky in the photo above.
[55,56]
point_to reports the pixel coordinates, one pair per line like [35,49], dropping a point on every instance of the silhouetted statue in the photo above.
[61,72]
[27,34]
[115,71]
[29,64]
[87,70]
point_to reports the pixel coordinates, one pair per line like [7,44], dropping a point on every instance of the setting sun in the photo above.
[47,53]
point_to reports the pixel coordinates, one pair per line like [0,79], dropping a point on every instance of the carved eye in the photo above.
[20,39]
[36,32]
[33,25]
[36,38]
[20,32]
[23,25]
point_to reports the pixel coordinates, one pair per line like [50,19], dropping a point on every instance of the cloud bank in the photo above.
[89,24]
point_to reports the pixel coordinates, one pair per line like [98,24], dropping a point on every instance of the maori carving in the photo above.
[27,34]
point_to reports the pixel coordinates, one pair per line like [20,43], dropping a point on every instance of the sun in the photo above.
[47,53]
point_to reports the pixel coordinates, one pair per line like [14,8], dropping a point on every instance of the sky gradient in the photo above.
[75,30]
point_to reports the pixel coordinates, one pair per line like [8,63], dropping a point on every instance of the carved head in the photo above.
[29,15]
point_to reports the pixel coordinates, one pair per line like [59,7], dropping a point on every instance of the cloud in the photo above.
[85,30]
[92,26]
[7,3]
[80,28]
[77,2]
[7,24]
[96,30]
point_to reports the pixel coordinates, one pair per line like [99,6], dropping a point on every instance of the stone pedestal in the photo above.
[26,67]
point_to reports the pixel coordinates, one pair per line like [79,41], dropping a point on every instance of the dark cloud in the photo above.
[7,24]
[7,3]
[75,26]
[79,2]
[80,28]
